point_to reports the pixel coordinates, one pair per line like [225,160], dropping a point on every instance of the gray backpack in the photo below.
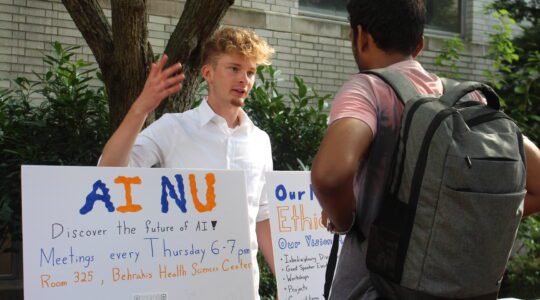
[455,199]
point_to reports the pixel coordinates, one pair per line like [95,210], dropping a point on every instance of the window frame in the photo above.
[427,30]
[309,13]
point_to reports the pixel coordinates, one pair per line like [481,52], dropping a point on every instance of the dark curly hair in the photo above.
[395,25]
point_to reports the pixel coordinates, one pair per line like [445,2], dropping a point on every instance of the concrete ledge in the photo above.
[305,25]
[258,19]
[245,17]
[278,22]
[165,8]
[436,43]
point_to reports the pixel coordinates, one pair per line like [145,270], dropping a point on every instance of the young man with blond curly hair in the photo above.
[216,135]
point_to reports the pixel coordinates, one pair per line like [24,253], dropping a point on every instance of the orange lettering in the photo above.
[115,274]
[210,193]
[45,280]
[127,182]
[282,219]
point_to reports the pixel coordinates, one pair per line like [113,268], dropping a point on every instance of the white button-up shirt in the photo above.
[201,139]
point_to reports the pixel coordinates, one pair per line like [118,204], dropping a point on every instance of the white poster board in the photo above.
[300,242]
[166,244]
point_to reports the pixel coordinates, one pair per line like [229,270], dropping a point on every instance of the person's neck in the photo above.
[382,59]
[230,113]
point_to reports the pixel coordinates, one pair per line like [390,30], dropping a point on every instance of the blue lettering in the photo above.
[281,192]
[151,245]
[167,185]
[94,196]
[47,259]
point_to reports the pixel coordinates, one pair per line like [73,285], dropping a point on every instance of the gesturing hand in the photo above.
[159,85]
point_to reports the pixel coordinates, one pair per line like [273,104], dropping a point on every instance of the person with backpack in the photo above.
[426,177]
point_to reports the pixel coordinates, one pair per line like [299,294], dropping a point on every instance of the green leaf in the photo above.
[69,125]
[520,89]
[302,88]
[535,118]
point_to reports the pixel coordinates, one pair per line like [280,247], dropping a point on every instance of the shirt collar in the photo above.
[409,61]
[206,115]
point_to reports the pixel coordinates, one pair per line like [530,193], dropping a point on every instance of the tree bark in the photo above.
[132,55]
[198,22]
[124,54]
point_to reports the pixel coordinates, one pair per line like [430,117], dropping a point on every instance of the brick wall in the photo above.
[312,48]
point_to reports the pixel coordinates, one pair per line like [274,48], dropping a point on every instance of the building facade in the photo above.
[310,36]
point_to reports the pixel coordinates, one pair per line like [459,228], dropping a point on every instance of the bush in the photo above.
[56,120]
[522,279]
[296,127]
[449,57]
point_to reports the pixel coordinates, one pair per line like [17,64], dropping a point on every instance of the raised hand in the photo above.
[159,85]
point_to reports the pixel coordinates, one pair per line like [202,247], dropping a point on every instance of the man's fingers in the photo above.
[171,70]
[153,70]
[172,90]
[174,80]
[162,62]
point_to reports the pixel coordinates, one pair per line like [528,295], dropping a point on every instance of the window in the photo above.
[335,8]
[444,15]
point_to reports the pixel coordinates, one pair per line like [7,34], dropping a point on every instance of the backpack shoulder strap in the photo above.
[331,267]
[401,85]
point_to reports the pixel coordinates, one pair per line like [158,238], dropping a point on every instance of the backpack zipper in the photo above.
[486,118]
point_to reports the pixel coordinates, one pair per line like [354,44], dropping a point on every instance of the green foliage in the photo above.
[56,120]
[520,10]
[522,95]
[296,127]
[449,57]
[501,50]
[515,75]
[267,283]
[523,277]
[527,14]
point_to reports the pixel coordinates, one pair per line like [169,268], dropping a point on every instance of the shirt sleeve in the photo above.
[356,99]
[149,146]
[264,212]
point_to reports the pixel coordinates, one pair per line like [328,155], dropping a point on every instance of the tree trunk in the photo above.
[132,55]
[124,54]
[186,46]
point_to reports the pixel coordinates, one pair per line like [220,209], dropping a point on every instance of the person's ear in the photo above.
[419,47]
[364,38]
[206,72]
